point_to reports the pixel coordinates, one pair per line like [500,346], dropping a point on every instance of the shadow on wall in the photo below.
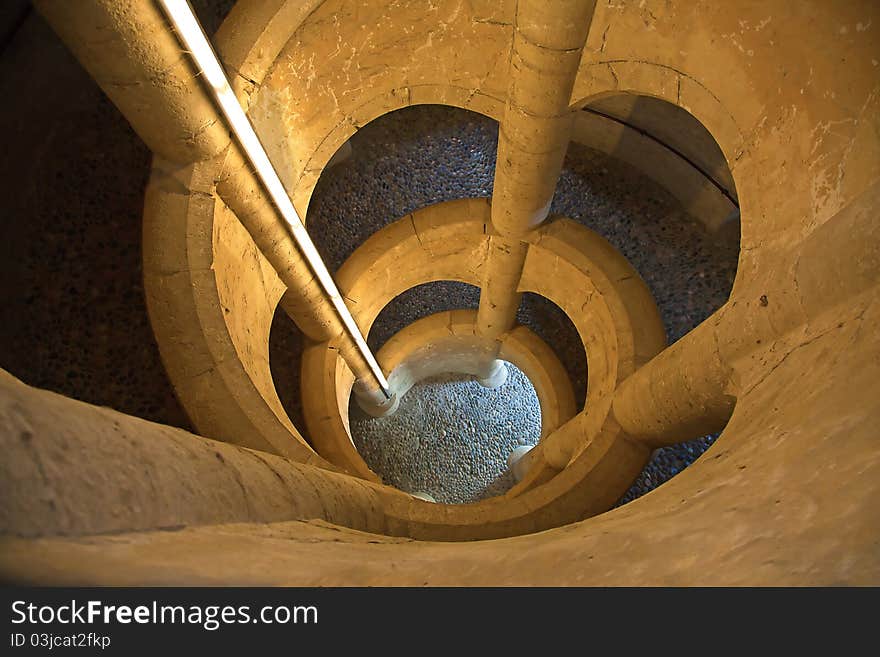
[71,280]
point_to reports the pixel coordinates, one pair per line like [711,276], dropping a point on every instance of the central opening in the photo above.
[450,436]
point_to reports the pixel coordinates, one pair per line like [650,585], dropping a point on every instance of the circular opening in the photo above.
[684,241]
[687,262]
[451,437]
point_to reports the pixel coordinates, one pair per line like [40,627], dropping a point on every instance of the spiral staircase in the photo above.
[761,119]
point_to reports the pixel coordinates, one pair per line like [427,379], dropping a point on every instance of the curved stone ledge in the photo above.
[579,271]
[447,342]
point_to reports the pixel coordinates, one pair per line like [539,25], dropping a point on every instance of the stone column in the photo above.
[682,393]
[130,50]
[533,136]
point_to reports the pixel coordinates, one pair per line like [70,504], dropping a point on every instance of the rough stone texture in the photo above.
[74,174]
[74,469]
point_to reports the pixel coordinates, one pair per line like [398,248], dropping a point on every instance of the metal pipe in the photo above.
[128,48]
[193,37]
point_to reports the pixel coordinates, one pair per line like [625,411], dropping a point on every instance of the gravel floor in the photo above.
[424,155]
[448,434]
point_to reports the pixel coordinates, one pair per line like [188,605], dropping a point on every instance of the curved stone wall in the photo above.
[789,365]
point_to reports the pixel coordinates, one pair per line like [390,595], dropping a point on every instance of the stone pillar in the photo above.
[682,393]
[532,139]
[130,50]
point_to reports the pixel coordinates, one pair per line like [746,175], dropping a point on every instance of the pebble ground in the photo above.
[448,435]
